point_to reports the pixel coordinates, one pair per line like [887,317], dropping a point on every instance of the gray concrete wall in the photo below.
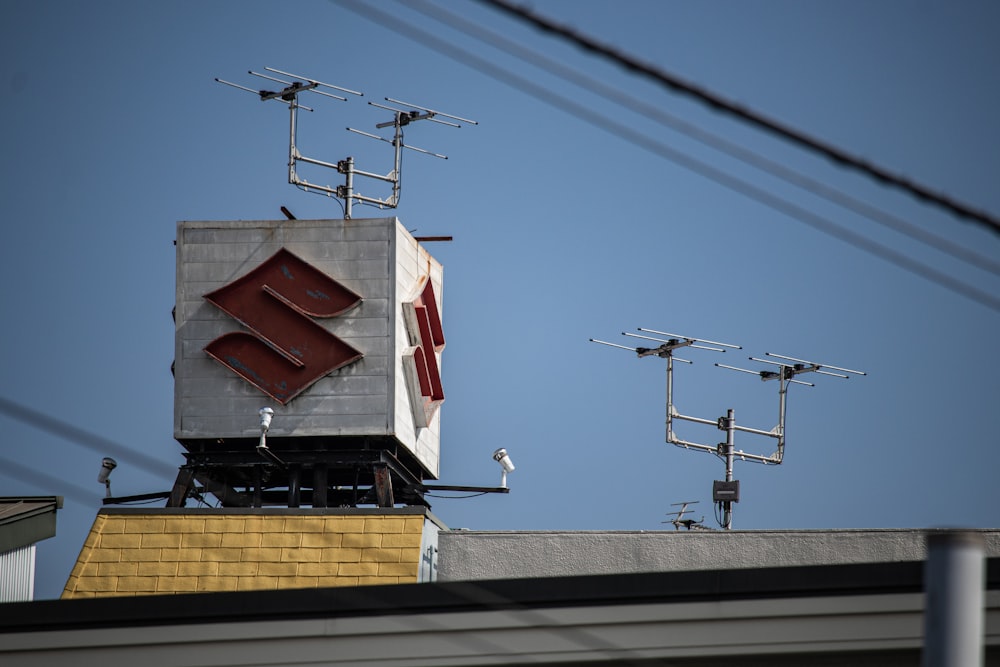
[471,555]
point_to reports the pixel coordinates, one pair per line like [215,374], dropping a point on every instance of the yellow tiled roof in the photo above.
[155,552]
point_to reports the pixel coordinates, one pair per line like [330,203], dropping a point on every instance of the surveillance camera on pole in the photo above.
[265,425]
[506,465]
[104,476]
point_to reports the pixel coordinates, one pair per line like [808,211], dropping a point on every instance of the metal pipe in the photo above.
[604,342]
[670,398]
[696,420]
[306,185]
[294,488]
[782,403]
[727,516]
[349,187]
[954,578]
[747,429]
[694,445]
[258,485]
[293,107]
[303,158]
[397,172]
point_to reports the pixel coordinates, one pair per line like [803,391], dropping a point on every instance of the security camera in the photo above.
[262,448]
[104,477]
[501,457]
[265,418]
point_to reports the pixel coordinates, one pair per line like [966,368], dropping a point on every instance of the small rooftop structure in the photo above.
[138,552]
[24,521]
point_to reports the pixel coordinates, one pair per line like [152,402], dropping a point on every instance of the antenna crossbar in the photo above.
[813,363]
[675,343]
[764,375]
[432,111]
[316,81]
[697,340]
[406,117]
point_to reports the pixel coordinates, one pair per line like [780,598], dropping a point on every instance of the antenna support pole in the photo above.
[729,421]
[293,152]
[782,403]
[348,186]
[670,398]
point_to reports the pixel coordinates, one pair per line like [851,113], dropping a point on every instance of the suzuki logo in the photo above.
[423,323]
[285,351]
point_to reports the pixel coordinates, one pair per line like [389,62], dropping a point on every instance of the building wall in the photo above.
[24,520]
[168,551]
[414,267]
[472,555]
[17,574]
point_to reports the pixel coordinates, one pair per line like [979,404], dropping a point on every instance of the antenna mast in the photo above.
[401,118]
[726,492]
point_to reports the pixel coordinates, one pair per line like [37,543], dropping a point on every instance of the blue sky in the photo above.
[113,130]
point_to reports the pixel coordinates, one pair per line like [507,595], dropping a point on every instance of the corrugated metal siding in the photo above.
[17,575]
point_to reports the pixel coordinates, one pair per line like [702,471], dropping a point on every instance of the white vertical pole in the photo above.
[954,578]
[670,398]
[349,187]
[293,111]
[727,516]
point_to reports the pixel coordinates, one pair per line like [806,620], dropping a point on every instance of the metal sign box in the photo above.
[238,321]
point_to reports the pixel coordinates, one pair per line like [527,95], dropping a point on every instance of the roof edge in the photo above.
[465,596]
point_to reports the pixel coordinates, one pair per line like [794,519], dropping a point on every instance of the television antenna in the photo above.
[726,492]
[409,113]
[401,118]
[678,519]
[785,375]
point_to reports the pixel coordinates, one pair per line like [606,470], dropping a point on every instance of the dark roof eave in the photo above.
[25,520]
[470,596]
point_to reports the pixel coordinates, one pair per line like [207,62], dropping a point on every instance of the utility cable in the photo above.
[719,103]
[84,438]
[49,483]
[760,195]
[707,138]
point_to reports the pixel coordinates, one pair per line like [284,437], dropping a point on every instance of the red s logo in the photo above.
[285,351]
[423,322]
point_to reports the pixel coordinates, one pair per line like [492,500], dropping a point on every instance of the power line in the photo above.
[78,436]
[49,483]
[733,150]
[721,104]
[758,194]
